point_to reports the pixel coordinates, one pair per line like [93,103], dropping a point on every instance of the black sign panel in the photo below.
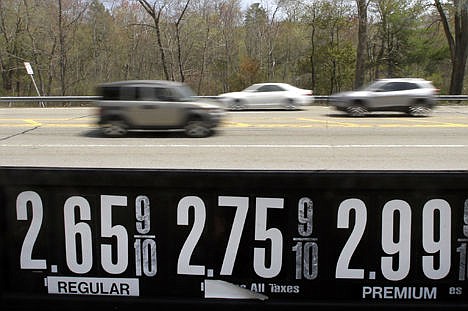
[72,237]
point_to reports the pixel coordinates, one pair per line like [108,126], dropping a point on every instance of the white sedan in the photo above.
[268,96]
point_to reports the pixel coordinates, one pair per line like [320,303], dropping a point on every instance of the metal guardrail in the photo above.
[452,97]
[10,99]
[438,97]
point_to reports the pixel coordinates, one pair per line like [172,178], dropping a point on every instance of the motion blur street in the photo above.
[316,138]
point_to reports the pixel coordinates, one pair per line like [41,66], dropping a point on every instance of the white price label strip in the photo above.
[92,286]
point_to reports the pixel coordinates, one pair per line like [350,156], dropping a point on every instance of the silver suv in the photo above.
[409,95]
[155,105]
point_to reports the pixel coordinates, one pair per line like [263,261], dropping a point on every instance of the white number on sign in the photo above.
[396,239]
[343,271]
[402,247]
[183,263]
[118,231]
[142,214]
[430,245]
[263,234]
[77,233]
[75,230]
[32,199]
[242,204]
[304,217]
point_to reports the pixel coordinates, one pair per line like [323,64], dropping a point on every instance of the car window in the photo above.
[109,93]
[269,88]
[127,93]
[164,94]
[402,86]
[411,86]
[145,93]
[264,88]
[391,86]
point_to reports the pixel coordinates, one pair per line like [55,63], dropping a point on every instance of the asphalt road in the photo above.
[317,138]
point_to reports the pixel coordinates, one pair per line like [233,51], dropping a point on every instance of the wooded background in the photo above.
[217,46]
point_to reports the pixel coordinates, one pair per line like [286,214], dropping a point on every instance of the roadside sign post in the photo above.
[30,72]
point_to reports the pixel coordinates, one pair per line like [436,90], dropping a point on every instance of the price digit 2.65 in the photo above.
[78,233]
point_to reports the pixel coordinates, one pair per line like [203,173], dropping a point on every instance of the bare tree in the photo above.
[65,21]
[361,52]
[273,29]
[155,14]
[207,9]
[179,49]
[229,13]
[11,28]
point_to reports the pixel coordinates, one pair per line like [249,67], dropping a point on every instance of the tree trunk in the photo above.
[461,46]
[150,9]
[362,44]
[457,41]
[179,48]
[62,50]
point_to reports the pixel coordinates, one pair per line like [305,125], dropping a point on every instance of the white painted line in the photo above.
[303,146]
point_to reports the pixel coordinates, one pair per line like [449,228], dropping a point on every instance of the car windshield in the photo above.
[251,88]
[373,87]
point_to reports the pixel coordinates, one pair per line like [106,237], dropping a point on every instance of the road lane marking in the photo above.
[329,122]
[299,122]
[32,122]
[304,146]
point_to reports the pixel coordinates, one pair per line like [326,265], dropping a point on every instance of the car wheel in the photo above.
[197,129]
[290,105]
[236,104]
[356,110]
[114,129]
[419,109]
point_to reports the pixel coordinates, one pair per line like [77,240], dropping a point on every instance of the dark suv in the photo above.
[155,105]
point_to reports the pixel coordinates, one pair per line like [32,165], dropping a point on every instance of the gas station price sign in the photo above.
[310,237]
